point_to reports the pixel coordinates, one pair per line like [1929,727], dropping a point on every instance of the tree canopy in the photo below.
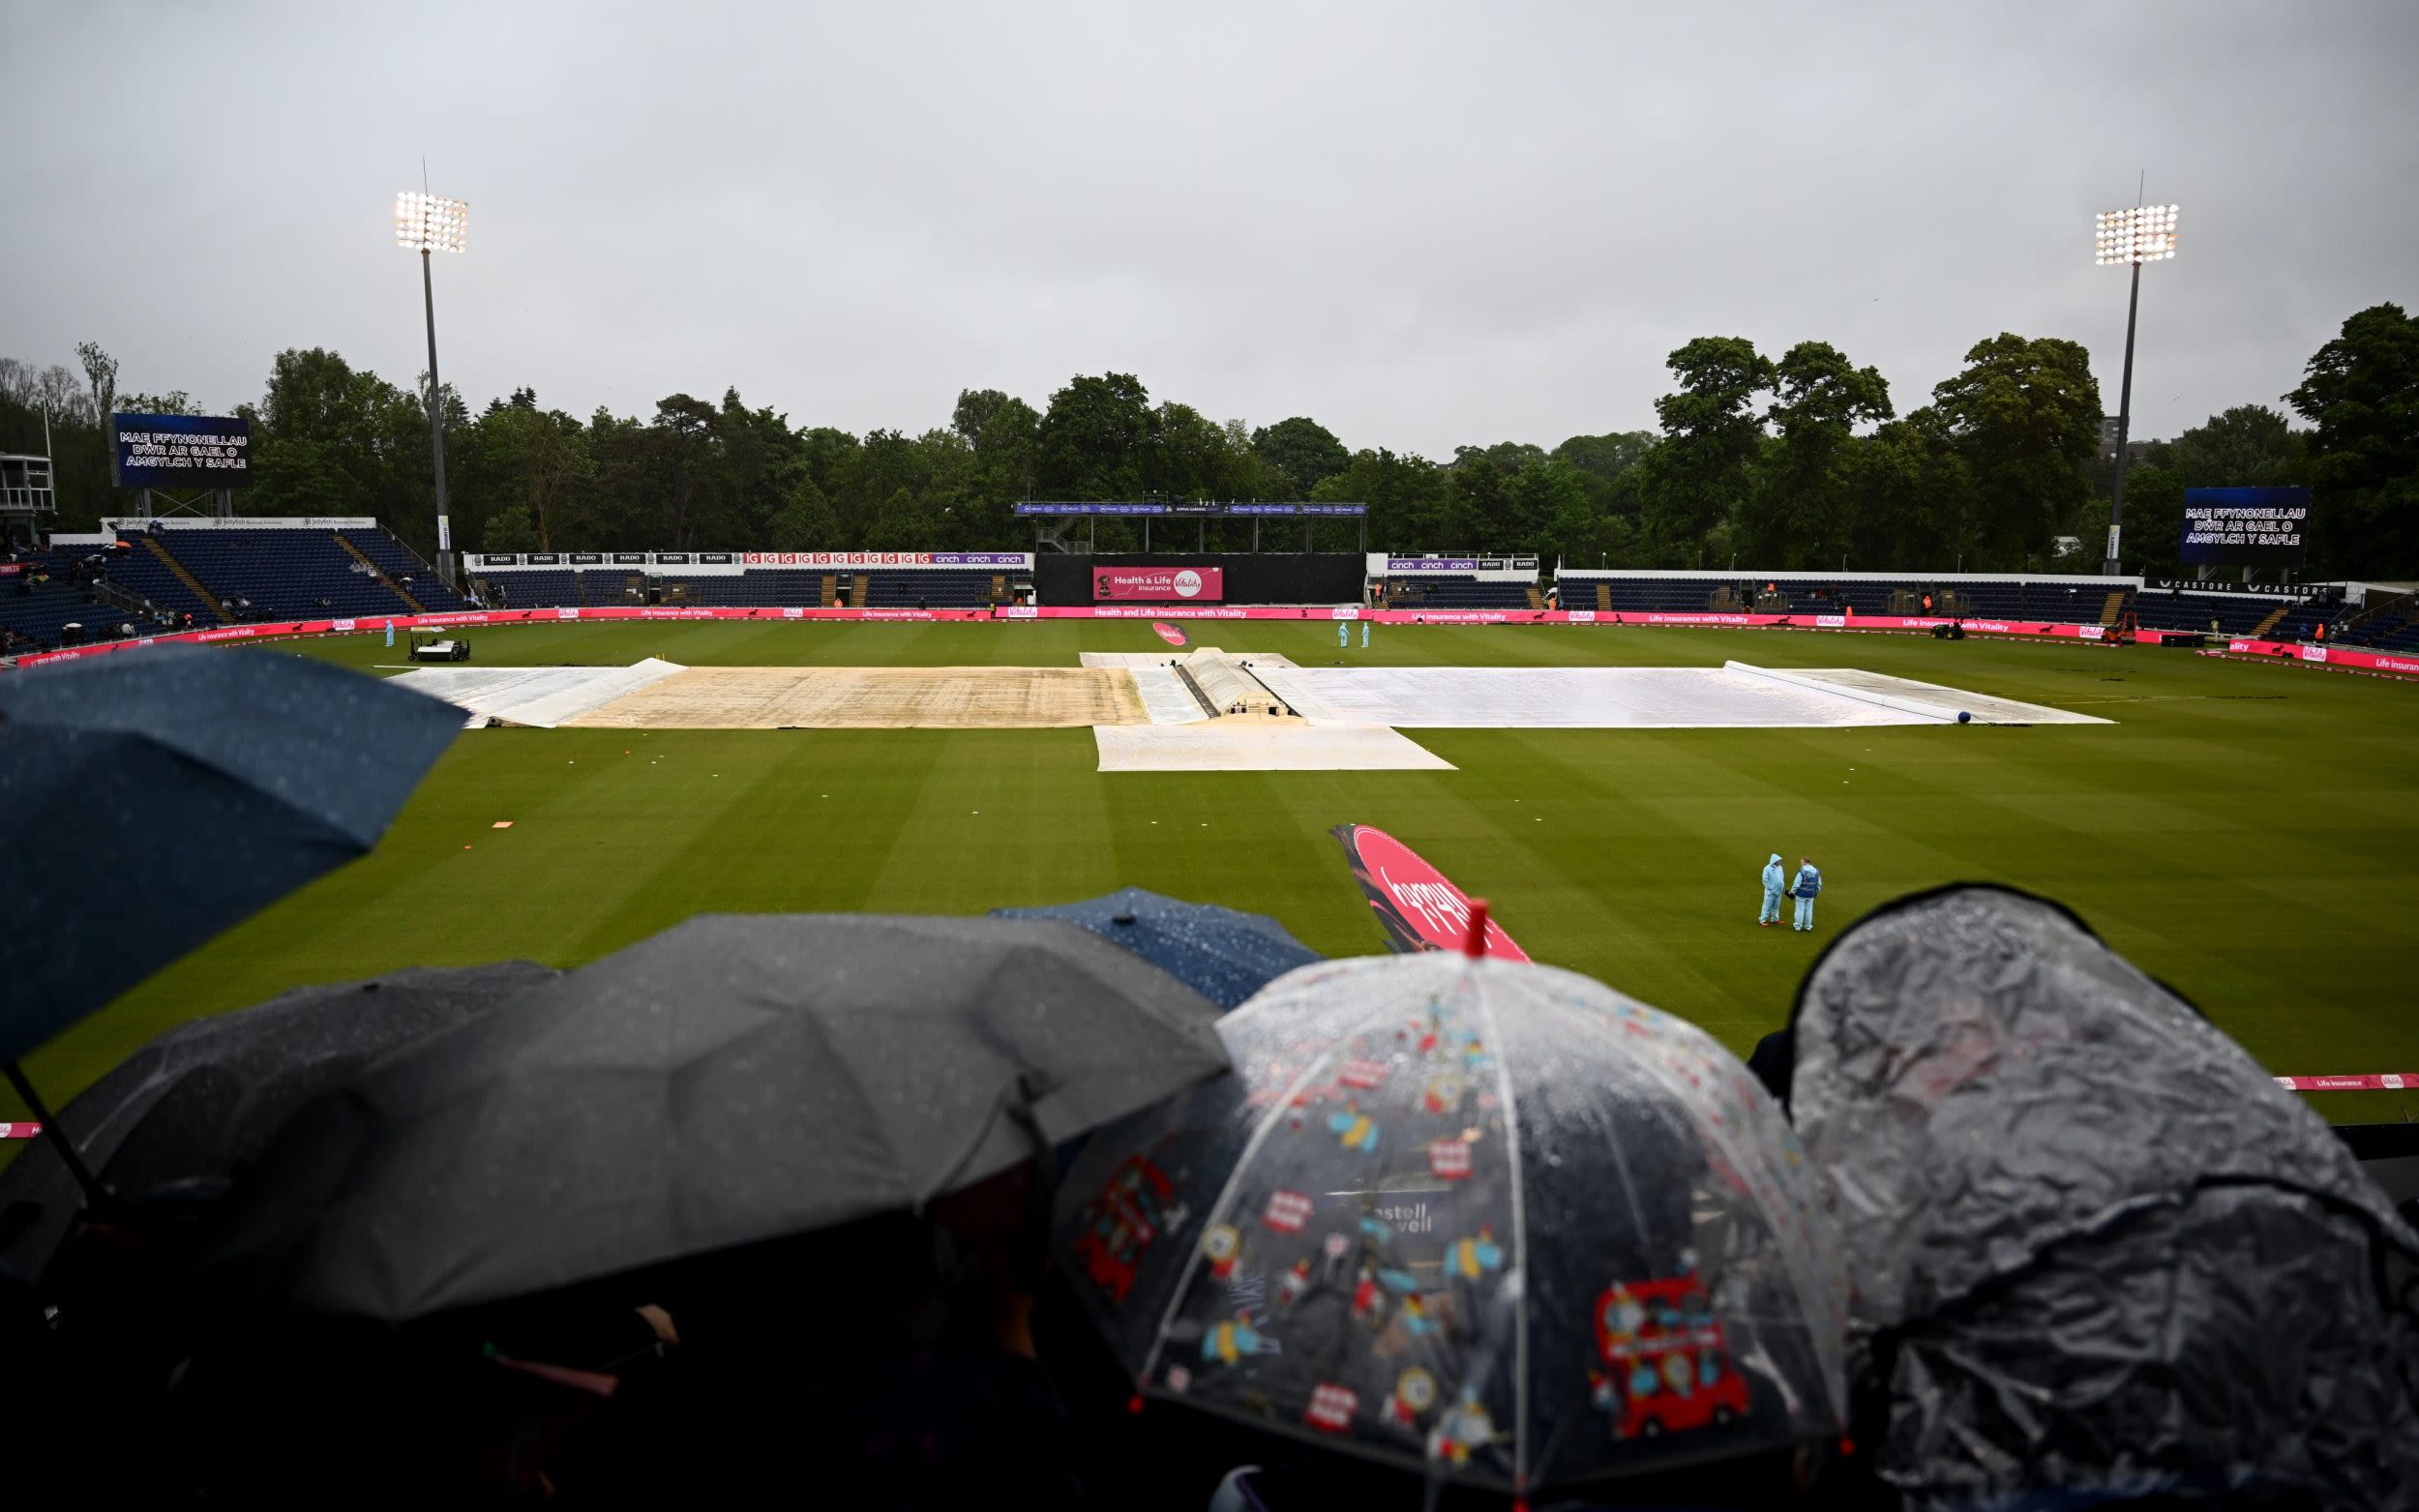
[1801,461]
[2361,390]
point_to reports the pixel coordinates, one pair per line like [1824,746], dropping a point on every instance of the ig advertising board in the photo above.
[2244,527]
[182,451]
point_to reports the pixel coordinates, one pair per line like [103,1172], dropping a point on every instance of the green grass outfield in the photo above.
[2249,833]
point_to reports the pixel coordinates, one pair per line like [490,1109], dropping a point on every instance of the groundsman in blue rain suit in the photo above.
[1775,879]
[1809,884]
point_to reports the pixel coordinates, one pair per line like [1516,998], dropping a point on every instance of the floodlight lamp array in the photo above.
[431,223]
[2145,233]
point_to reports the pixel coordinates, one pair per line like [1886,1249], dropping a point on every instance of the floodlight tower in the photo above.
[427,224]
[2145,233]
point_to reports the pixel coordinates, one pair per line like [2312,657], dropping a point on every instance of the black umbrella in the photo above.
[1219,953]
[214,783]
[733,1078]
[195,1101]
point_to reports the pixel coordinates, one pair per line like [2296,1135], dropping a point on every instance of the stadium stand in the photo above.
[2215,613]
[2389,624]
[1453,591]
[379,548]
[273,570]
[937,589]
[532,589]
[38,603]
[763,587]
[743,590]
[284,574]
[149,574]
[2068,600]
[2401,636]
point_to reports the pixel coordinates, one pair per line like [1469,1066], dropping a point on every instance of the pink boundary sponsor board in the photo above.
[2340,656]
[2331,656]
[2371,1081]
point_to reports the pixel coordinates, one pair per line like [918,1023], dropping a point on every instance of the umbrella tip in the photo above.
[1474,945]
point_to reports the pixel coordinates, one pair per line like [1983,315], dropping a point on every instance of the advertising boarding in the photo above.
[1159,584]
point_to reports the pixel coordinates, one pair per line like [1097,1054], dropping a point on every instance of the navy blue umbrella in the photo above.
[206,784]
[1223,955]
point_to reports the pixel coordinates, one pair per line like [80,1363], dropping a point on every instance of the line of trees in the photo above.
[1800,461]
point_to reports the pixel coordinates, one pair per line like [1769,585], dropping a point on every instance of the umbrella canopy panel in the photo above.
[1224,955]
[223,780]
[1489,1218]
[202,1098]
[733,1078]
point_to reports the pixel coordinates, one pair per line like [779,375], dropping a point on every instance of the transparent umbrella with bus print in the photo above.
[1486,1220]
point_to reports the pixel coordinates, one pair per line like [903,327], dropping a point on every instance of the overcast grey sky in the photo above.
[1423,226]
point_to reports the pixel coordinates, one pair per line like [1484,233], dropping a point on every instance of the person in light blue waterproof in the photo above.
[1365,635]
[1343,635]
[1804,889]
[1776,879]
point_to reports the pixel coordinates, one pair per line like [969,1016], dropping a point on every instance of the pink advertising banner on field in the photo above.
[1168,584]
[2371,1081]
[2377,662]
[2329,656]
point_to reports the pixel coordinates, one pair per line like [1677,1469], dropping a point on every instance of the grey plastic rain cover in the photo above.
[2095,1248]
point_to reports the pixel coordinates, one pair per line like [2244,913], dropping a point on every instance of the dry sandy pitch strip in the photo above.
[876,697]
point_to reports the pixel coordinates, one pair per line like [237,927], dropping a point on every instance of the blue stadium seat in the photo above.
[2009,597]
[379,545]
[1455,591]
[937,588]
[41,601]
[286,573]
[147,577]
[2234,613]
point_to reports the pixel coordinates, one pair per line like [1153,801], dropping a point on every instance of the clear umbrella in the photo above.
[1489,1220]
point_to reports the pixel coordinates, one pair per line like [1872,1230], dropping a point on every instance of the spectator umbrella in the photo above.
[1223,955]
[193,1103]
[218,781]
[1490,1220]
[730,1080]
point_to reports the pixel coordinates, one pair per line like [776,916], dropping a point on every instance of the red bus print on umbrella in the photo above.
[1664,1366]
[1135,1207]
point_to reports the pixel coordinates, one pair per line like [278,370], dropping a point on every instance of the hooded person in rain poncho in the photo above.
[1776,879]
[2101,1254]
